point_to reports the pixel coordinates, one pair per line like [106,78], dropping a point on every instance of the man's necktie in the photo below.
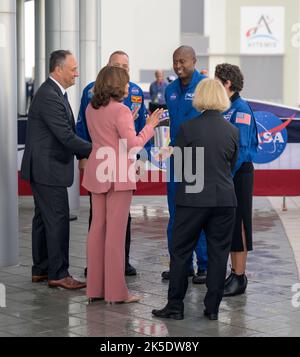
[67,103]
[66,99]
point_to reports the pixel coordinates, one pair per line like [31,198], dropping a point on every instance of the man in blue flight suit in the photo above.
[179,99]
[135,102]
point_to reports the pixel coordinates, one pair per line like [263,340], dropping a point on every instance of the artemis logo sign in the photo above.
[296,35]
[2,296]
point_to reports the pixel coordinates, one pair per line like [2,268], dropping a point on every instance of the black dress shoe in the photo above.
[200,277]
[166,274]
[236,286]
[130,270]
[210,315]
[166,313]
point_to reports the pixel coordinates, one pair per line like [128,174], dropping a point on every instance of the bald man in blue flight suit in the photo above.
[179,98]
[135,102]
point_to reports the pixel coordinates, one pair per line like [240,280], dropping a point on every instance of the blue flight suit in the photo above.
[238,115]
[179,101]
[135,99]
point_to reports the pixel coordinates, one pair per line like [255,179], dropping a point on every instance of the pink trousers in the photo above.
[106,246]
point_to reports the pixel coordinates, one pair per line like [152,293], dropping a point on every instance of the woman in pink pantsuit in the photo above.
[109,176]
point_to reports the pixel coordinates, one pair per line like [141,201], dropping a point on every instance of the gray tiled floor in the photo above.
[266,309]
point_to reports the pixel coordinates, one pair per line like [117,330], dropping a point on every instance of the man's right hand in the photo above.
[81,164]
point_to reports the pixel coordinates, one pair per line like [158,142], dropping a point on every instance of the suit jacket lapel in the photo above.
[67,107]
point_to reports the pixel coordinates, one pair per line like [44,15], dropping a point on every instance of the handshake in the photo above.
[81,164]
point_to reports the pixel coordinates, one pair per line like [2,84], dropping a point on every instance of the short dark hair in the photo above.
[57,58]
[230,72]
[110,83]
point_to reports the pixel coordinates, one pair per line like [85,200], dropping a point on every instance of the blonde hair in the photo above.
[211,95]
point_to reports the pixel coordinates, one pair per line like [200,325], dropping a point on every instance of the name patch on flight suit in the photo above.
[189,96]
[173,96]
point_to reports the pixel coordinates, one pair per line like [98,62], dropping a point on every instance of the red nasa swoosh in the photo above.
[280,127]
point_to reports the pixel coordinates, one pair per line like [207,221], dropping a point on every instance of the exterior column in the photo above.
[88,42]
[215,13]
[62,32]
[22,110]
[40,64]
[9,240]
[99,34]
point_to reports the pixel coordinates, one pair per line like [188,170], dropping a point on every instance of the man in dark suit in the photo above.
[48,164]
[205,198]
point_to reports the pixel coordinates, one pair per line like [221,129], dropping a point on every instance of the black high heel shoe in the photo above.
[229,278]
[92,300]
[237,285]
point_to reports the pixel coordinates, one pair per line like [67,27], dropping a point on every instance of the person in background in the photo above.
[210,208]
[240,115]
[48,164]
[179,98]
[135,102]
[111,183]
[157,91]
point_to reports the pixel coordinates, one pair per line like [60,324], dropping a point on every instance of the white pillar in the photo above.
[40,63]
[99,34]
[62,32]
[88,41]
[21,57]
[9,242]
[215,13]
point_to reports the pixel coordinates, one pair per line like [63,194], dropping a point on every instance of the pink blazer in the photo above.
[108,164]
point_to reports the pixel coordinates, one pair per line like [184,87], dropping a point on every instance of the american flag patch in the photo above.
[243,118]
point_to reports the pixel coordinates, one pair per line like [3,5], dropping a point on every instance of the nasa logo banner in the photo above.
[272,137]
[277,165]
